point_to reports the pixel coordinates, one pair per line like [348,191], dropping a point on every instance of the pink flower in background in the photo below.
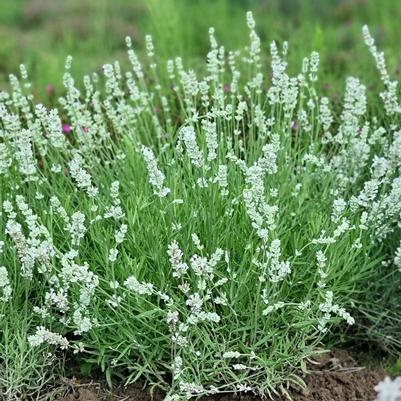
[326,86]
[50,89]
[67,128]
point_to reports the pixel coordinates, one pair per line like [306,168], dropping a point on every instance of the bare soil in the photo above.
[336,377]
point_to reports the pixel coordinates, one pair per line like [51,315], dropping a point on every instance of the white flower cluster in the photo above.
[139,288]
[397,257]
[24,155]
[261,214]
[5,159]
[156,177]
[77,228]
[277,269]
[325,118]
[313,66]
[81,177]
[43,335]
[321,265]
[339,206]
[59,209]
[354,107]
[254,48]
[119,236]
[389,390]
[389,96]
[328,308]
[175,254]
[52,124]
[114,211]
[210,130]
[5,286]
[188,135]
[221,179]
[37,248]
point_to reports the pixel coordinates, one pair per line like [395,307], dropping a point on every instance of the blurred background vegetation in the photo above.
[41,33]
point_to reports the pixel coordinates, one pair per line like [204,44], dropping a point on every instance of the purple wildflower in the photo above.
[50,89]
[67,128]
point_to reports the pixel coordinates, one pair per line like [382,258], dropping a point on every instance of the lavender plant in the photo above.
[201,232]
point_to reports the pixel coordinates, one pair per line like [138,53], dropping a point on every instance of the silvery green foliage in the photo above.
[213,227]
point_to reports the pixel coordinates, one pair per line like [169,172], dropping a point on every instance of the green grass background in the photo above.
[40,33]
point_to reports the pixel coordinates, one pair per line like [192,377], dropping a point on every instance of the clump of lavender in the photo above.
[204,230]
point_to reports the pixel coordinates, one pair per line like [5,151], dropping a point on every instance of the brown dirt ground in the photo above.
[336,377]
